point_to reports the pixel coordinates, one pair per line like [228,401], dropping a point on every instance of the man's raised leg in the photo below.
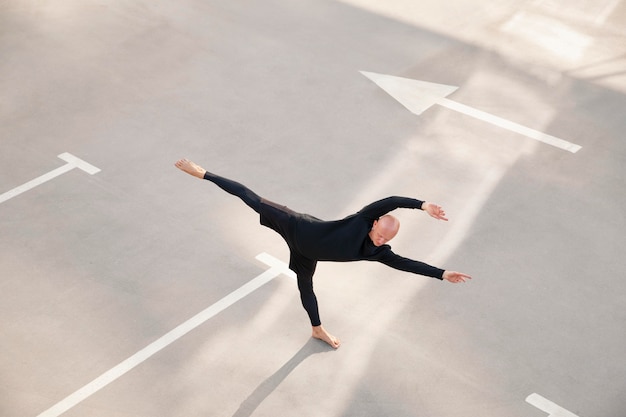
[190,168]
[232,187]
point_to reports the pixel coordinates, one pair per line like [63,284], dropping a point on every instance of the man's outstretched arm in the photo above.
[384,206]
[395,261]
[381,207]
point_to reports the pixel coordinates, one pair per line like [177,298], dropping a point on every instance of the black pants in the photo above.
[282,220]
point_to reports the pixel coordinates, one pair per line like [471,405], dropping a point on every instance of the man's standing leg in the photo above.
[304,269]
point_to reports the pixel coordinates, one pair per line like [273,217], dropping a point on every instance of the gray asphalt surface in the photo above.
[94,268]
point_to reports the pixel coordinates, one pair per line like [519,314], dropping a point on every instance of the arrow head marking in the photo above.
[417,96]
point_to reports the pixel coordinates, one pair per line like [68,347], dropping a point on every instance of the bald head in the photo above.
[384,229]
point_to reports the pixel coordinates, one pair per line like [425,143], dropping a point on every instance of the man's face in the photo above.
[382,232]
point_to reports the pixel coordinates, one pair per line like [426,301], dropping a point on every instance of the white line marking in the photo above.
[548,406]
[79,163]
[418,96]
[601,17]
[280,266]
[72,162]
[276,268]
[508,125]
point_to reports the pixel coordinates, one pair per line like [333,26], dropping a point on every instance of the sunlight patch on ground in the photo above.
[583,38]
[473,168]
[550,34]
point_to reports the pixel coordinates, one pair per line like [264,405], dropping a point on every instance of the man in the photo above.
[361,236]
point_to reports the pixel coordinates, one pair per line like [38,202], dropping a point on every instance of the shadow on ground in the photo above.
[311,347]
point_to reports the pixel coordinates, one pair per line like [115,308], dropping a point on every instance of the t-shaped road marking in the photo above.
[72,162]
[418,96]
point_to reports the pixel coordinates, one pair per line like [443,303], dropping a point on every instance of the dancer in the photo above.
[360,236]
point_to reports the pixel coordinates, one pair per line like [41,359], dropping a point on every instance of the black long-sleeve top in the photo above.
[348,240]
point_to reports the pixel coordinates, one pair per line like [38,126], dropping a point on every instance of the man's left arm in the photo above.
[409,265]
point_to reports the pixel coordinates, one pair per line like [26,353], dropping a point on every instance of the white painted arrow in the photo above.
[418,96]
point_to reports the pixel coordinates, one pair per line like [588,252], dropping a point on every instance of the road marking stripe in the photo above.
[548,406]
[276,268]
[509,125]
[72,162]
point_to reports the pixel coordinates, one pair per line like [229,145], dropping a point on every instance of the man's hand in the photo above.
[455,277]
[434,211]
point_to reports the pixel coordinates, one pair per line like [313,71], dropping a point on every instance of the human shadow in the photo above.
[311,347]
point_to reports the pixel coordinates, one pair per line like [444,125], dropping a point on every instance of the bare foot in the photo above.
[320,333]
[190,168]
